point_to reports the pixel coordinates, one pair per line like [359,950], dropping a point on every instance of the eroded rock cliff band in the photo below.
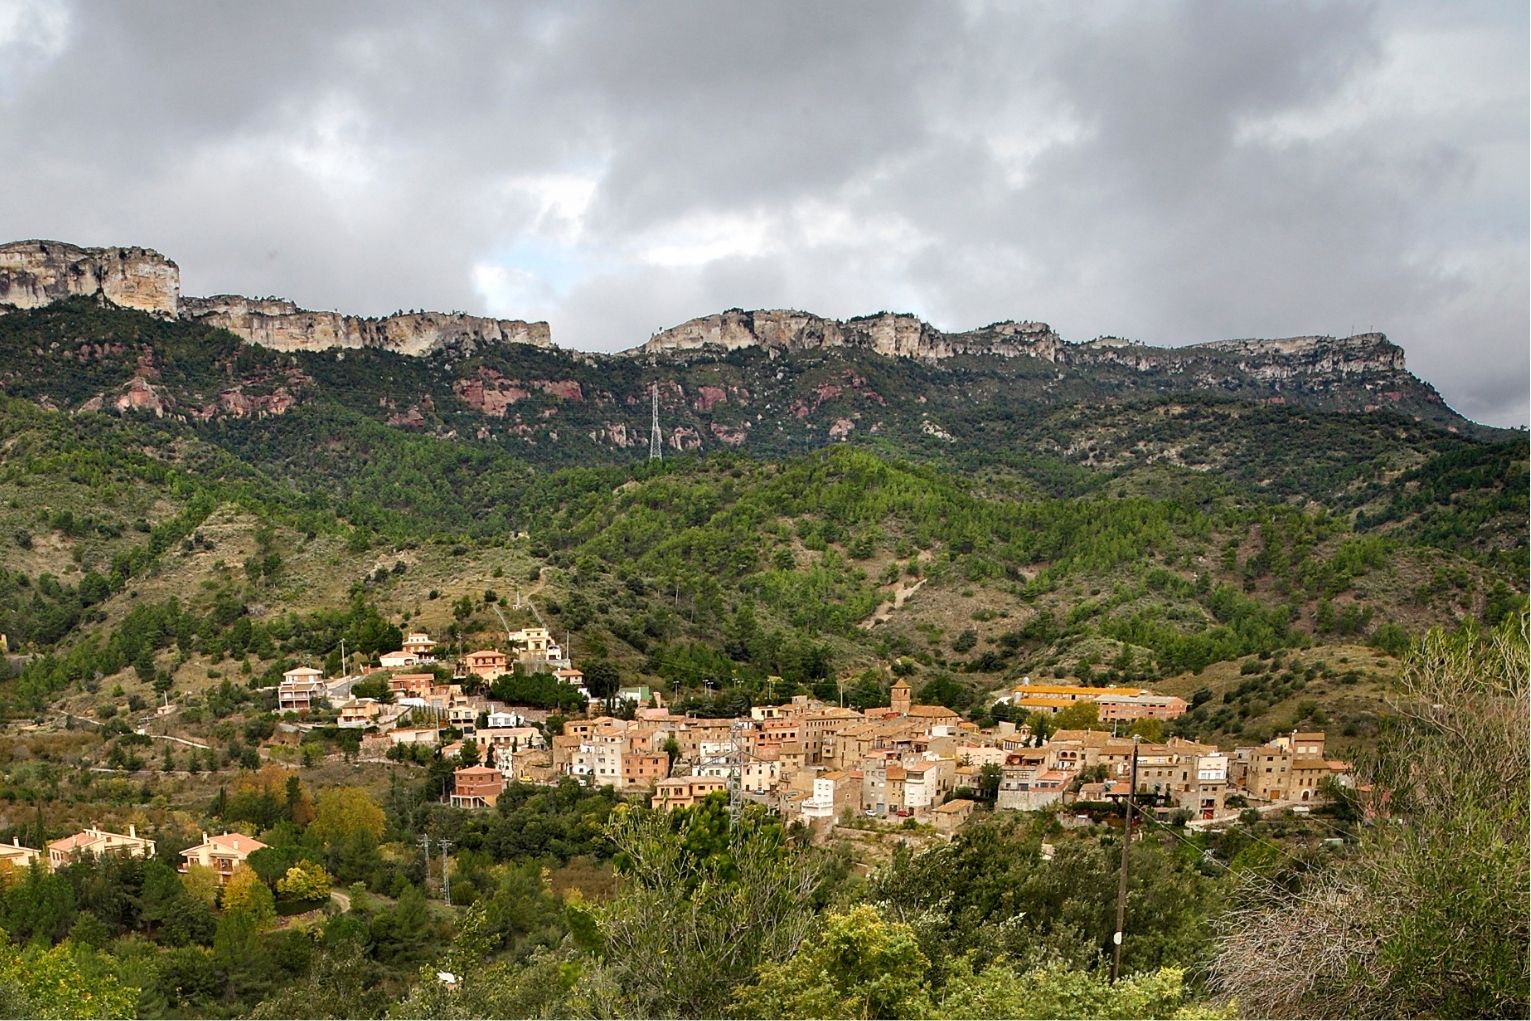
[37,273]
[905,336]
[283,326]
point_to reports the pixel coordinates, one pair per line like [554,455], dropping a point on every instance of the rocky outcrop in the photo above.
[236,403]
[38,273]
[283,326]
[1303,361]
[897,335]
[142,396]
[489,392]
[709,397]
[903,336]
[1274,360]
[730,435]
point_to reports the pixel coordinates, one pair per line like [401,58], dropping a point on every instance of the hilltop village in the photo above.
[807,760]
[822,765]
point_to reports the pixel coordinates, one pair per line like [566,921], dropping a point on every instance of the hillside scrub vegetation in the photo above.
[1428,915]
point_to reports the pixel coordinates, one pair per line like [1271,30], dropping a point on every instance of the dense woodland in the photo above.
[1338,579]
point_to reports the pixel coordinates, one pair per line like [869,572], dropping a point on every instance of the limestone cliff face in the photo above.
[904,336]
[1272,360]
[37,273]
[282,325]
[1221,363]
[896,335]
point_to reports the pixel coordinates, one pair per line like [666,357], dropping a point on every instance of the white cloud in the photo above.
[698,239]
[32,33]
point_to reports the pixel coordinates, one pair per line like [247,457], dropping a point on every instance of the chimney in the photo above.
[204,836]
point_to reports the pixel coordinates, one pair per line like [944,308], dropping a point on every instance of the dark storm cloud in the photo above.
[1170,172]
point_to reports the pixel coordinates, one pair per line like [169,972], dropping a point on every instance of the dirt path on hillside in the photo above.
[901,591]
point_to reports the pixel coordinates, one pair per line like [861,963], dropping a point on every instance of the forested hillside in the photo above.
[1117,540]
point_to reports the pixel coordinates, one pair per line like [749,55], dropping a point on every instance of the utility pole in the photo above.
[446,875]
[1121,887]
[735,774]
[425,845]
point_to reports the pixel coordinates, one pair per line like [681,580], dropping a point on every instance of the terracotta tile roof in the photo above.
[235,842]
[1076,689]
[1093,738]
[71,842]
[86,838]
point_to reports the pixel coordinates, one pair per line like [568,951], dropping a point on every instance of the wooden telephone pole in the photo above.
[1121,886]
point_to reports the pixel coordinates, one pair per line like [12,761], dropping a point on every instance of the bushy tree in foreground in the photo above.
[536,988]
[857,966]
[65,981]
[860,965]
[342,982]
[305,881]
[1429,916]
[705,900]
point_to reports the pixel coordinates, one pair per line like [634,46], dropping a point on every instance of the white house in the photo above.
[503,718]
[300,689]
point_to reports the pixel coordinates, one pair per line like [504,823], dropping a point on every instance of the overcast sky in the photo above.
[1167,172]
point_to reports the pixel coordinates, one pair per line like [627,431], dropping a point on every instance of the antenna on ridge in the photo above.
[656,446]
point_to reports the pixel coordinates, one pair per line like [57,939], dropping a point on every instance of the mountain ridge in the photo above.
[1361,373]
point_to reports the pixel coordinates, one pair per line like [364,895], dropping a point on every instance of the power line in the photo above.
[425,845]
[656,445]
